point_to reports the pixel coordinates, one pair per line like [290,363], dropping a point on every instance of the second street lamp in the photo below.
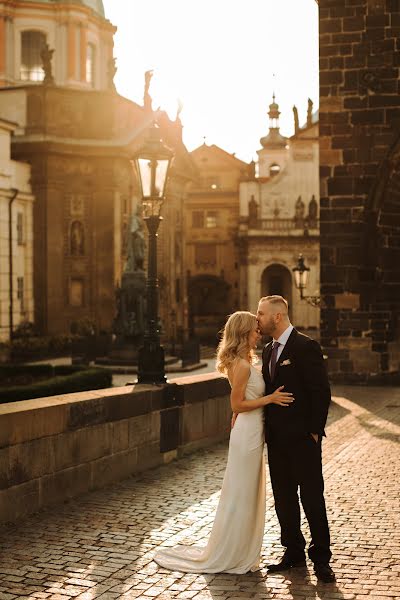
[301,278]
[152,163]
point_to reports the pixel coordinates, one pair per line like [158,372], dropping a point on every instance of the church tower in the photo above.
[273,155]
[74,38]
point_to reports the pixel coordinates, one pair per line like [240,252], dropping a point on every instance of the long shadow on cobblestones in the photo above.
[336,412]
[379,419]
[297,583]
[108,537]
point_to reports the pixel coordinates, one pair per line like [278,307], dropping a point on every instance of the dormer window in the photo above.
[32,43]
[274,170]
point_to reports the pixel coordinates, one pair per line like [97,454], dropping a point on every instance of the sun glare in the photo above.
[219,59]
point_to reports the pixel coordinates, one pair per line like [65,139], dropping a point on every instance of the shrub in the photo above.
[31,348]
[24,330]
[12,375]
[78,380]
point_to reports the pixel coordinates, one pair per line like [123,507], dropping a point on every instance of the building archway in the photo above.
[209,306]
[277,280]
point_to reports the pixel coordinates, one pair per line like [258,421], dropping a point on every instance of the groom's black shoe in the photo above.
[324,573]
[286,563]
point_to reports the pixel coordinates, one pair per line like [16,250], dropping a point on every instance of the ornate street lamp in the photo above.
[152,160]
[301,279]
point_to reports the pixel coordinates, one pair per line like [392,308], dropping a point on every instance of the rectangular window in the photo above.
[20,229]
[198,219]
[91,64]
[20,293]
[211,219]
[32,43]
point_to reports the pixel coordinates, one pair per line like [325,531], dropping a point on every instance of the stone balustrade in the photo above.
[56,448]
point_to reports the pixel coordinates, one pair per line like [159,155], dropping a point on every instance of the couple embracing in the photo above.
[285,405]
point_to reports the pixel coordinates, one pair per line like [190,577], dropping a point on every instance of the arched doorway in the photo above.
[277,279]
[209,306]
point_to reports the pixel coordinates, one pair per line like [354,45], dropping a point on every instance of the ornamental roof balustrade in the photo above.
[281,227]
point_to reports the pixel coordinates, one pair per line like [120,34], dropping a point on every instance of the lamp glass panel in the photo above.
[161,176]
[303,279]
[144,165]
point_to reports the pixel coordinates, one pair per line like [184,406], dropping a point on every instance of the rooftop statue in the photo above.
[309,112]
[111,72]
[46,55]
[147,101]
[296,119]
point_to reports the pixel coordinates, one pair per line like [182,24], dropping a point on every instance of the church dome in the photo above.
[95,5]
[273,140]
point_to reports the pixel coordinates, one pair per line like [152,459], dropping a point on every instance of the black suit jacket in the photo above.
[304,374]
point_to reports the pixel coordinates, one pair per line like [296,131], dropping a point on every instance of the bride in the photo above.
[234,545]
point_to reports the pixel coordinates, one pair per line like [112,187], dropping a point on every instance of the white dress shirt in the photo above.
[282,340]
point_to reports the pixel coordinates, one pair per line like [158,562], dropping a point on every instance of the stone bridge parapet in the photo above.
[54,449]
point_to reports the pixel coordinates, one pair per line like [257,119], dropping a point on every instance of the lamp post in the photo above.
[301,272]
[152,163]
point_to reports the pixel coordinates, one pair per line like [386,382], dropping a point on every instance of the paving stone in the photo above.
[101,546]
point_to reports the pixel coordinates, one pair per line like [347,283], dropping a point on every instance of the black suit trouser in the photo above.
[295,464]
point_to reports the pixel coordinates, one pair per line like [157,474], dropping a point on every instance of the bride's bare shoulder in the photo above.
[238,369]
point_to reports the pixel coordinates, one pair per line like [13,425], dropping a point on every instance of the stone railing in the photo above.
[53,449]
[284,224]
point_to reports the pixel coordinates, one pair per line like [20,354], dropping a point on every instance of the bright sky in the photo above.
[218,57]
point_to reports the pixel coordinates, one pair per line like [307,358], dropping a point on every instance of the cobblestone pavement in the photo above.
[101,545]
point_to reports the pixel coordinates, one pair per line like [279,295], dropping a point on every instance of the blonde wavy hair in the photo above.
[235,340]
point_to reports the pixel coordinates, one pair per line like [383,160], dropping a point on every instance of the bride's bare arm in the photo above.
[238,376]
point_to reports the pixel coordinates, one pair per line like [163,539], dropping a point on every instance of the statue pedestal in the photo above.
[124,351]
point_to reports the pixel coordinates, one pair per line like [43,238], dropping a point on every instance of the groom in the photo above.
[294,435]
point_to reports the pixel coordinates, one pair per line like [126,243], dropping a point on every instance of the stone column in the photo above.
[2,51]
[71,37]
[83,51]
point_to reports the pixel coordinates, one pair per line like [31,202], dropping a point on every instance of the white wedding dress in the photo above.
[234,545]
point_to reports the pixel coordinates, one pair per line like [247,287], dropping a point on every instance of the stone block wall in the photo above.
[360,187]
[54,449]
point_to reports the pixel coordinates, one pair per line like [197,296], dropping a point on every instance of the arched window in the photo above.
[32,43]
[91,64]
[274,170]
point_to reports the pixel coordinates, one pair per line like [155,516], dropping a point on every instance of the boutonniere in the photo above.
[286,362]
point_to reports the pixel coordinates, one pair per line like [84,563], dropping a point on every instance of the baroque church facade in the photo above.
[79,137]
[246,225]
[279,218]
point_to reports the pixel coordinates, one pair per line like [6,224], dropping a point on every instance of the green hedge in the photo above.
[35,348]
[45,370]
[78,380]
[29,348]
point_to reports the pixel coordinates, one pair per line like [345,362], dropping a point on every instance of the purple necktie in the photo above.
[274,355]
